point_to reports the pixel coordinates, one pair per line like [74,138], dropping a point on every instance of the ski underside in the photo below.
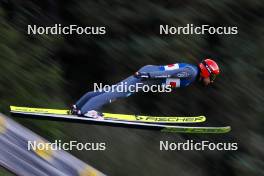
[165,124]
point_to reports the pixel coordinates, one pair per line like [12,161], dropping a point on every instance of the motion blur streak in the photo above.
[15,157]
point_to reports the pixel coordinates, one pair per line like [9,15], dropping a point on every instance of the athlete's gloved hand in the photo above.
[142,75]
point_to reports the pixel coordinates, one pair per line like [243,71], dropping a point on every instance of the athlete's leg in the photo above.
[96,102]
[79,104]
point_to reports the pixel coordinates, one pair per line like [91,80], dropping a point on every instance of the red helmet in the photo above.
[209,68]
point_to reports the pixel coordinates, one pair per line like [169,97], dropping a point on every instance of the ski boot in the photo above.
[75,111]
[94,114]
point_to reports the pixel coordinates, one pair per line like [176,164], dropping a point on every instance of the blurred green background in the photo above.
[54,71]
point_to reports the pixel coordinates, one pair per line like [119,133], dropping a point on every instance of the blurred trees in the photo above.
[55,70]
[29,75]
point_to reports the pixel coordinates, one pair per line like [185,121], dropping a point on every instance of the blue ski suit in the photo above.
[175,75]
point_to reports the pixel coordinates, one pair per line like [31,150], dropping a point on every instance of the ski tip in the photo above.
[16,109]
[203,118]
[205,130]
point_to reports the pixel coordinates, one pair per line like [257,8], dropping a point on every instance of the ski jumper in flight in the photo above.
[175,75]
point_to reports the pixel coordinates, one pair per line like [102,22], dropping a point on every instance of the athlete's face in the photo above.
[206,81]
